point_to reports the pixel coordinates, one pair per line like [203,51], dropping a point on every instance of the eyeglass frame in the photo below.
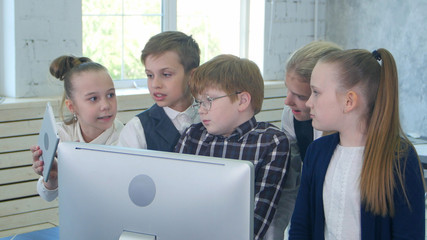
[209,101]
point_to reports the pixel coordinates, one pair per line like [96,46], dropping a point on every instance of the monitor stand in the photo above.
[136,236]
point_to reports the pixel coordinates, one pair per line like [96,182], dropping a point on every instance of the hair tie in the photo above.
[376,55]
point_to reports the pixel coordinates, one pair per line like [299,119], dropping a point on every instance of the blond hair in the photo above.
[303,60]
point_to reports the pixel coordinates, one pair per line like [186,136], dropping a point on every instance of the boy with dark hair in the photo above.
[169,58]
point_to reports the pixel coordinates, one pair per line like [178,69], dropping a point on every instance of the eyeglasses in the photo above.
[207,104]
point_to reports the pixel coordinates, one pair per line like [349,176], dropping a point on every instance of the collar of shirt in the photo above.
[173,114]
[100,139]
[238,133]
[181,120]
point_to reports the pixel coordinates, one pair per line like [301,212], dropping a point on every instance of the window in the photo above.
[224,27]
[215,27]
[115,31]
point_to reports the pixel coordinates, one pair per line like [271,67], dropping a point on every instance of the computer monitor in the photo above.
[109,192]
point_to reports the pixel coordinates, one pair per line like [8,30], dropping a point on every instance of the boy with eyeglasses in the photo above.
[228,93]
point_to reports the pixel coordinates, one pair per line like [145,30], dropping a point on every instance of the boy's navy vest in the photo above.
[160,133]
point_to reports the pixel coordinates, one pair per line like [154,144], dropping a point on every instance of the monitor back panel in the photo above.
[105,190]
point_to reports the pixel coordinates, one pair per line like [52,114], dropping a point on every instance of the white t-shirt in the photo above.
[133,135]
[341,194]
[72,133]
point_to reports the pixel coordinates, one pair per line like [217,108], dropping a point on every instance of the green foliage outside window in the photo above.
[115,32]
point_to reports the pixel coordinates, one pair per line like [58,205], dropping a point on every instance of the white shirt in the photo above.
[287,200]
[133,135]
[72,133]
[341,194]
[288,125]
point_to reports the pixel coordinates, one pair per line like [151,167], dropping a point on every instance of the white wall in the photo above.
[289,25]
[400,27]
[5,60]
[44,30]
[2,55]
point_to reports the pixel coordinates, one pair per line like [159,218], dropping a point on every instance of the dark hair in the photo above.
[185,46]
[64,68]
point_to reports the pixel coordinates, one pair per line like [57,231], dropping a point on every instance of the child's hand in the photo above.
[37,163]
[38,166]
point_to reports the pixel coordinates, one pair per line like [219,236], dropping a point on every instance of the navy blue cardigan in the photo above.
[308,221]
[160,133]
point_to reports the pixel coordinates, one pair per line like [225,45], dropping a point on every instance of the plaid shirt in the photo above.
[259,142]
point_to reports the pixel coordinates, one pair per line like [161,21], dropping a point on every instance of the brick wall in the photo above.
[289,24]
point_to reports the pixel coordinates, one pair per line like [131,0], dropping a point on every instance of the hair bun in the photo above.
[63,64]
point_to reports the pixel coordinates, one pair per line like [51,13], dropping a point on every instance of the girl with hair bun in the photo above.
[89,96]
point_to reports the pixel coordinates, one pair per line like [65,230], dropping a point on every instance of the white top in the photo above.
[72,133]
[287,200]
[341,194]
[133,135]
[288,125]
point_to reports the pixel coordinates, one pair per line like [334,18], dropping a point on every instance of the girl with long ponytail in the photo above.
[366,180]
